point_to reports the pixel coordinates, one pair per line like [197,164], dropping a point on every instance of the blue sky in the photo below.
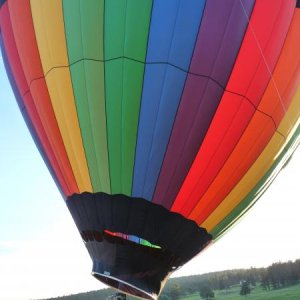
[39,240]
[22,172]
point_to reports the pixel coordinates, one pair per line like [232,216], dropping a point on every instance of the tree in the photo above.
[251,276]
[265,282]
[245,289]
[206,292]
[175,291]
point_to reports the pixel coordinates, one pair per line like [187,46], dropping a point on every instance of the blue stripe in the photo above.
[173,34]
[2,2]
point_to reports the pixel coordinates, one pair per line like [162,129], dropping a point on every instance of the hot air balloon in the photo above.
[161,122]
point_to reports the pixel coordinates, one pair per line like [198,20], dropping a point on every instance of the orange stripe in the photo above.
[29,56]
[261,128]
[265,161]
[287,71]
[247,84]
[48,24]
[27,102]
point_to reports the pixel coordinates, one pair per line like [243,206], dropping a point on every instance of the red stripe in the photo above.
[23,88]
[250,78]
[254,141]
[260,130]
[18,34]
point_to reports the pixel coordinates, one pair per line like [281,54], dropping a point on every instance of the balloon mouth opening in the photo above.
[123,286]
[134,244]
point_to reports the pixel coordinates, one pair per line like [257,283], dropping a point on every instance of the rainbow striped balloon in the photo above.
[192,105]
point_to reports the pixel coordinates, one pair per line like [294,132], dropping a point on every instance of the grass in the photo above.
[257,293]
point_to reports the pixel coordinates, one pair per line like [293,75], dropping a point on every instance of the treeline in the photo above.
[281,275]
[276,276]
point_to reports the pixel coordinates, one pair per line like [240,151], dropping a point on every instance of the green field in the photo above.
[257,293]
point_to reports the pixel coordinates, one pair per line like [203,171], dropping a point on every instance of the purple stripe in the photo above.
[173,34]
[222,30]
[2,2]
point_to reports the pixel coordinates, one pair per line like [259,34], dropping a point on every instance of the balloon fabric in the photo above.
[161,122]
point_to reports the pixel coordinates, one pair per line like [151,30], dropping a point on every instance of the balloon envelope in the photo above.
[161,122]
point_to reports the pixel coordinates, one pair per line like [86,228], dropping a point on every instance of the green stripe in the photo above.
[84,34]
[126,35]
[259,189]
[148,244]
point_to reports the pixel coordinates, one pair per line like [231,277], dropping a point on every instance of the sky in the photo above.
[41,252]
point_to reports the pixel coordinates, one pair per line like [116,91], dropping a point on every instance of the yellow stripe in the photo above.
[260,167]
[49,29]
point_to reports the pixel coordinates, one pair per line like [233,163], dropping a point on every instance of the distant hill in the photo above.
[276,276]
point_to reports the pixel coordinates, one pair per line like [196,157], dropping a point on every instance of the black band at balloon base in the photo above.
[131,268]
[135,244]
